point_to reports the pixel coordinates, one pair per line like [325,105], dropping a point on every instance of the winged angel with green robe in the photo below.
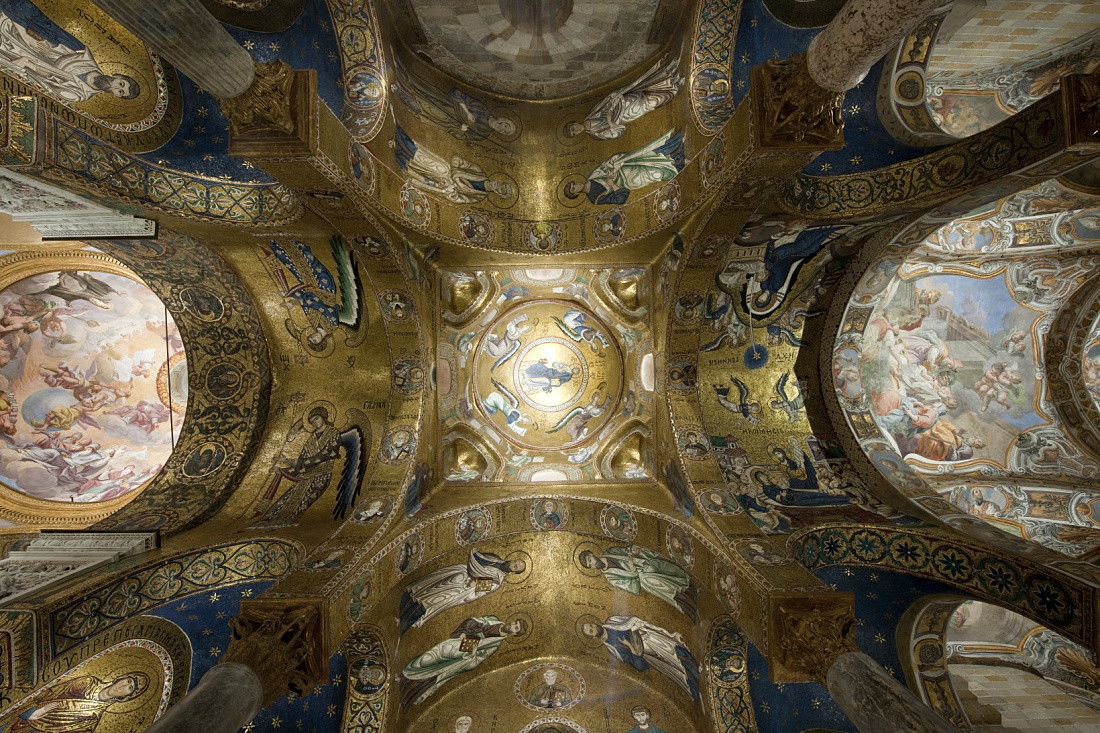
[637,568]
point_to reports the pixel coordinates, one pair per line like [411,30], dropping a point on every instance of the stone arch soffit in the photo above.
[120,596]
[1033,590]
[1065,346]
[922,648]
[229,380]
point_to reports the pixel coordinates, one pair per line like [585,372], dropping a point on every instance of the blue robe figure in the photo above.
[643,645]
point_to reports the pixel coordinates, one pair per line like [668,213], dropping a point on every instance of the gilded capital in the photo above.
[281,640]
[792,111]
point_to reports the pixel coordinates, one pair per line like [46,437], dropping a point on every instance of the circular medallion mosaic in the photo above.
[548,374]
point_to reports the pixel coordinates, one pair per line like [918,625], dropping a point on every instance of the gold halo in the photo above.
[496,199]
[560,191]
[516,617]
[581,547]
[508,113]
[130,706]
[516,578]
[580,622]
[559,131]
[318,403]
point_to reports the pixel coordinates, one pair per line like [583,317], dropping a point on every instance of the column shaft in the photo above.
[876,702]
[226,698]
[190,38]
[861,34]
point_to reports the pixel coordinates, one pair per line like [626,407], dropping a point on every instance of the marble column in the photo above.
[185,34]
[224,700]
[861,34]
[876,702]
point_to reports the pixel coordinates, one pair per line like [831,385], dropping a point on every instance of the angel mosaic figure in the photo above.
[455,585]
[475,640]
[312,470]
[611,182]
[743,407]
[460,181]
[643,646]
[504,402]
[576,420]
[456,112]
[302,278]
[503,346]
[608,119]
[573,324]
[636,568]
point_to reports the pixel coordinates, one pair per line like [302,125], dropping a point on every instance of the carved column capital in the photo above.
[792,111]
[808,633]
[275,117]
[282,641]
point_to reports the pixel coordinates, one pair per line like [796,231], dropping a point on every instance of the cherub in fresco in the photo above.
[1015,343]
[1091,371]
[996,384]
[9,415]
[144,415]
[15,330]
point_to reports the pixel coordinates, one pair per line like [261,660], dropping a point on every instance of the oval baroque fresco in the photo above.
[91,366]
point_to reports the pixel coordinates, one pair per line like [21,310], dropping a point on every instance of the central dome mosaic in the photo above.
[548,374]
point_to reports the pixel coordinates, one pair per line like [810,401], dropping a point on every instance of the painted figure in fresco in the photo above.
[996,384]
[456,112]
[501,347]
[641,716]
[61,72]
[643,645]
[79,705]
[550,694]
[475,640]
[507,404]
[460,181]
[304,280]
[455,585]
[608,119]
[611,182]
[636,568]
[574,325]
[312,470]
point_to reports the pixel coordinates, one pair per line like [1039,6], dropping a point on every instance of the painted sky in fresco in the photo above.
[84,385]
[949,353]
